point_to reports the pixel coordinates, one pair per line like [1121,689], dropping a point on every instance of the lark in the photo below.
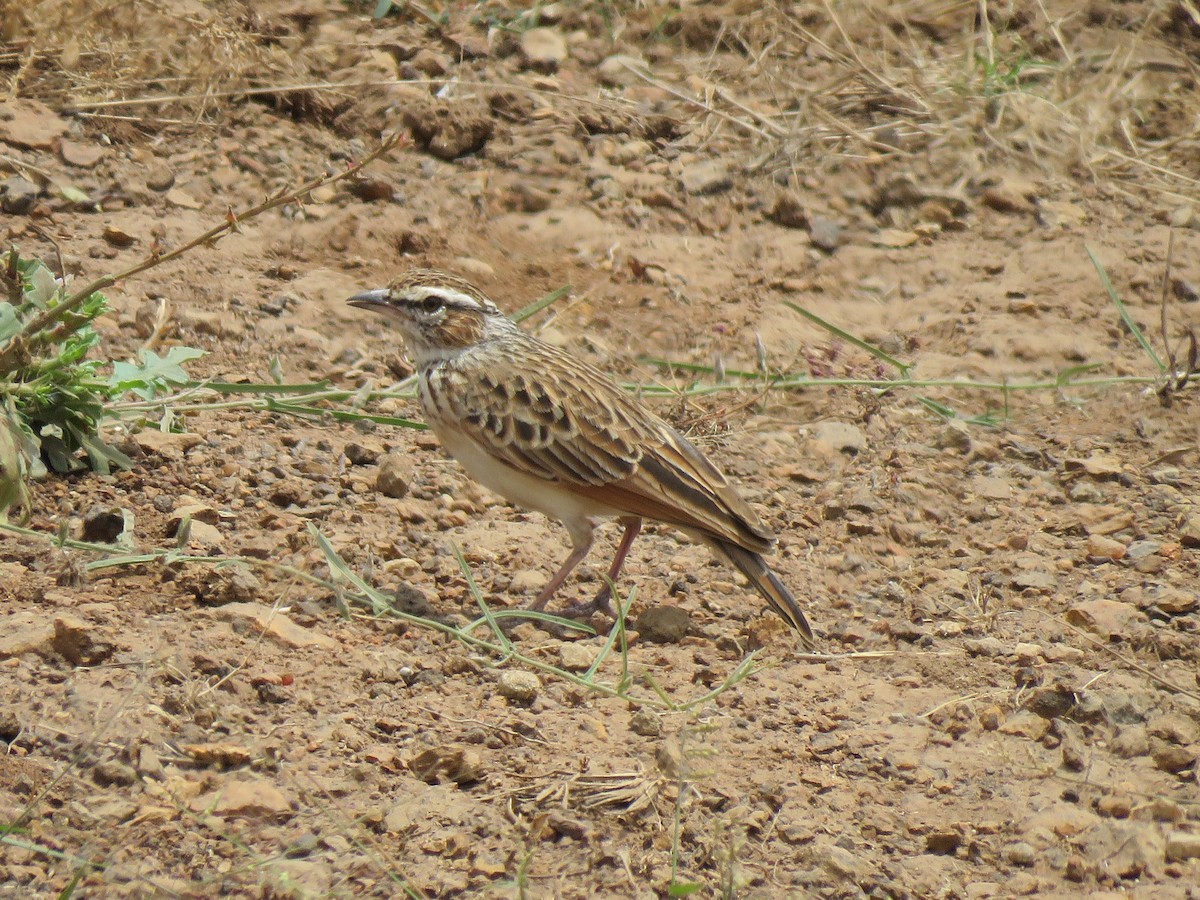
[551,433]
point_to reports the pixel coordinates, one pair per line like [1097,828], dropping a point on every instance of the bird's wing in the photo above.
[565,422]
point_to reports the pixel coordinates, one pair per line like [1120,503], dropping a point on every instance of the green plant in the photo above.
[54,392]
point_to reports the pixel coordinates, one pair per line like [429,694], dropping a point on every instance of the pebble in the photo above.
[1182,845]
[543,49]
[663,624]
[159,177]
[28,634]
[646,723]
[1020,854]
[576,657]
[17,195]
[954,436]
[841,437]
[245,799]
[274,624]
[705,178]
[1106,618]
[1105,547]
[1130,741]
[518,686]
[526,581]
[394,475]
[985,646]
[825,233]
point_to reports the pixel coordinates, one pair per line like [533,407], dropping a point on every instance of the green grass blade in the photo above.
[538,305]
[1124,311]
[846,336]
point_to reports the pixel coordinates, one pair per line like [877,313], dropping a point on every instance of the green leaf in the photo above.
[153,373]
[9,323]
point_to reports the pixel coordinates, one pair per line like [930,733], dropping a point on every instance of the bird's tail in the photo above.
[767,583]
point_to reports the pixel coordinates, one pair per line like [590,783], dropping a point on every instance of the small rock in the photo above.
[1028,654]
[543,49]
[1189,533]
[18,195]
[705,177]
[25,633]
[1175,602]
[473,268]
[789,211]
[395,472]
[985,646]
[575,657]
[646,723]
[825,233]
[1035,581]
[78,643]
[30,124]
[193,509]
[201,534]
[82,156]
[518,686]
[1060,214]
[275,625]
[1052,702]
[1175,759]
[1026,724]
[990,487]
[167,444]
[1139,850]
[1182,846]
[159,177]
[943,841]
[954,436]
[663,624]
[1114,806]
[1142,549]
[1077,868]
[1106,618]
[1103,547]
[245,799]
[1012,194]
[1130,741]
[437,765]
[103,524]
[1020,854]
[841,437]
[991,718]
[529,199]
[360,455]
[148,763]
[111,772]
[526,581]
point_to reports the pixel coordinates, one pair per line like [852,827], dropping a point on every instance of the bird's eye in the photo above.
[432,304]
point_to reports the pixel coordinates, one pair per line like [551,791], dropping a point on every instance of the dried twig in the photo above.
[13,350]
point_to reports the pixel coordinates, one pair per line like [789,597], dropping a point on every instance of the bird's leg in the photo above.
[603,600]
[581,538]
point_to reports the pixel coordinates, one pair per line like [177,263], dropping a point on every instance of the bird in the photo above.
[537,425]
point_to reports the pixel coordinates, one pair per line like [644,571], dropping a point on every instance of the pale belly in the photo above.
[524,490]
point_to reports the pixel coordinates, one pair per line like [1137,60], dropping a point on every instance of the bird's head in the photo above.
[438,315]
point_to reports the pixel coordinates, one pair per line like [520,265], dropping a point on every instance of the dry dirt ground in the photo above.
[1003,582]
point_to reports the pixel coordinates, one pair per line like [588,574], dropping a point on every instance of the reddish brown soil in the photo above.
[1006,702]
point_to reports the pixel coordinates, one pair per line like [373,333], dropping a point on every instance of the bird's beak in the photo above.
[370,299]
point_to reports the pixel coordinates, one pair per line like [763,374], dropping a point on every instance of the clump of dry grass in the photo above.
[80,52]
[1052,86]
